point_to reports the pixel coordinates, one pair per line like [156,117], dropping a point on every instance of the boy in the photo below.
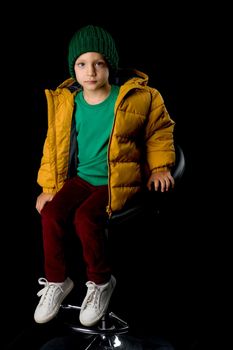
[105,143]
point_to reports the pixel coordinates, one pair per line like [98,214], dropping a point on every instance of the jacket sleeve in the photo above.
[55,160]
[160,148]
[45,176]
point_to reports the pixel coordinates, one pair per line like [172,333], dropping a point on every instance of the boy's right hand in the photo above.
[42,199]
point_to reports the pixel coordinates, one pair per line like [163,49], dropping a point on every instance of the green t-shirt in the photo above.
[93,126]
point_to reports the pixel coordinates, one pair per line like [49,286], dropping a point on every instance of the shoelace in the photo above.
[94,296]
[49,288]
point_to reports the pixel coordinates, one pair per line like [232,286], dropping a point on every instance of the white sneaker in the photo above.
[52,296]
[96,302]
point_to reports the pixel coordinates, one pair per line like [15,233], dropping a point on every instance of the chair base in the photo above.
[100,342]
[104,334]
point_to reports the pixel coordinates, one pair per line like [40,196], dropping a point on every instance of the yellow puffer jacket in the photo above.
[141,139]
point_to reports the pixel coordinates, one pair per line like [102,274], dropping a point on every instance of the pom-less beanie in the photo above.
[92,39]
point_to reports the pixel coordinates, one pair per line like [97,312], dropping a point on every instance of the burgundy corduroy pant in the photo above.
[86,204]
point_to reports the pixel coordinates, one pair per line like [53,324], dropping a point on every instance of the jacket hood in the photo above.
[124,75]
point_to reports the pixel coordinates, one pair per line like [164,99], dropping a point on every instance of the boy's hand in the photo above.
[42,199]
[162,180]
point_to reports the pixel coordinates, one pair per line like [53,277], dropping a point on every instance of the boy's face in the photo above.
[91,70]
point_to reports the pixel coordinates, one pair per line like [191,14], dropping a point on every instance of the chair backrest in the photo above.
[179,167]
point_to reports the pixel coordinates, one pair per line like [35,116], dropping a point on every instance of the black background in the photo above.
[175,46]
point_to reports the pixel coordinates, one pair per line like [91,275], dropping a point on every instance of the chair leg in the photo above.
[110,342]
[89,346]
[102,341]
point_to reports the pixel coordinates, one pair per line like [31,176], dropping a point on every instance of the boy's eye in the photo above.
[100,63]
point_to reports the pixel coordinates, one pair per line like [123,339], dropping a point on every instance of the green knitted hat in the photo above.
[92,39]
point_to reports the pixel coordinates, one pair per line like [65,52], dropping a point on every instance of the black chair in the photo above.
[106,333]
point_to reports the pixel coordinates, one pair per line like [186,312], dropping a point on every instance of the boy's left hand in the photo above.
[162,180]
